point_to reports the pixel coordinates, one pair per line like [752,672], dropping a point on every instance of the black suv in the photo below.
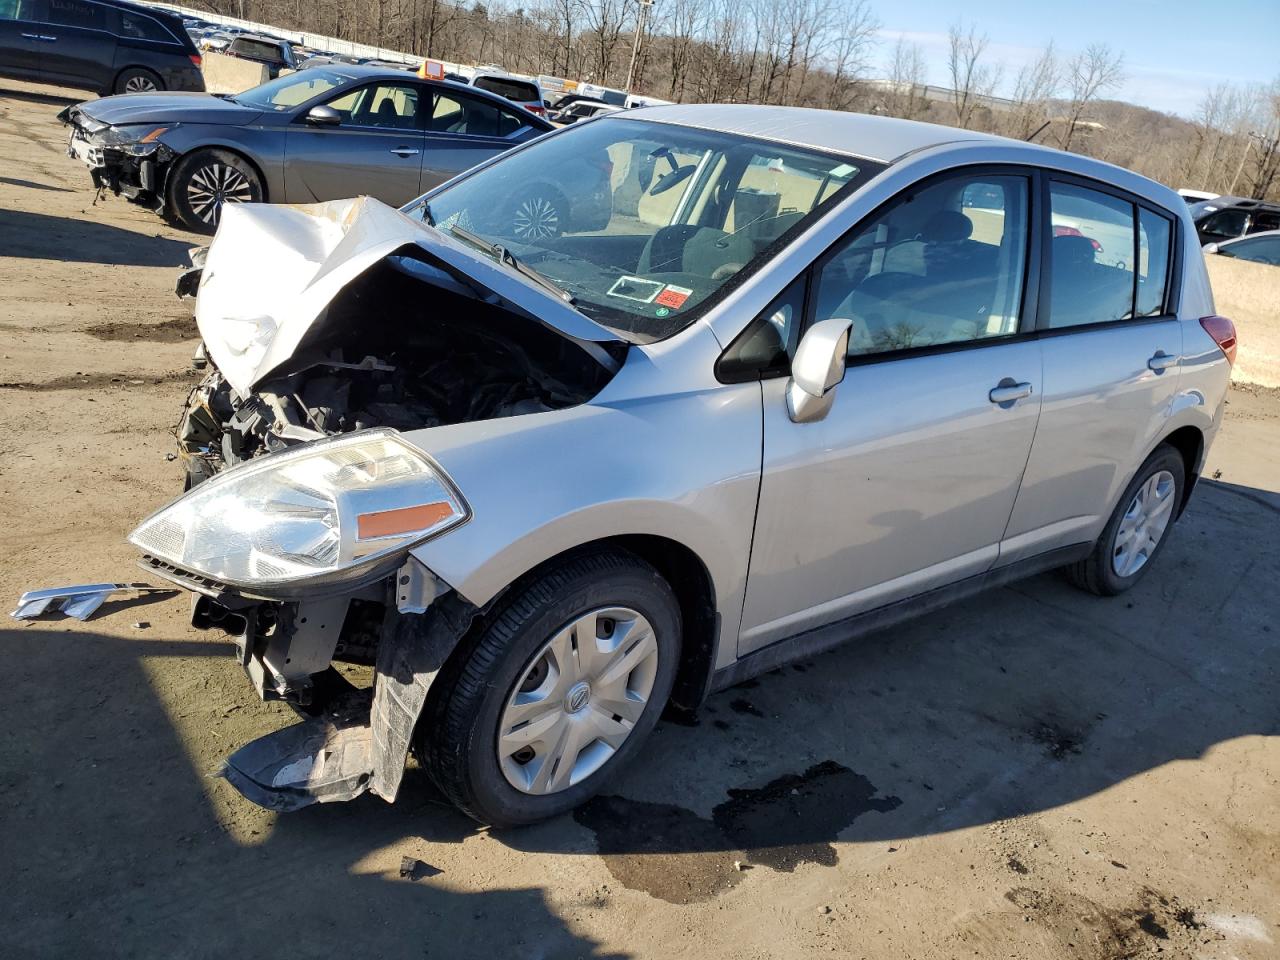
[101,45]
[1225,218]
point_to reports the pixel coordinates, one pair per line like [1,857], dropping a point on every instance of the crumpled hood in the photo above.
[162,108]
[273,269]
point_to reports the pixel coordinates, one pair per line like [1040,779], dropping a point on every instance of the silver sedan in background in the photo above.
[322,134]
[811,373]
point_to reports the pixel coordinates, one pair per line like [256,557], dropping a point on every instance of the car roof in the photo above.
[264,37]
[364,71]
[870,137]
[143,8]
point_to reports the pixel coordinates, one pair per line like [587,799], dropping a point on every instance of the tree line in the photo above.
[829,54]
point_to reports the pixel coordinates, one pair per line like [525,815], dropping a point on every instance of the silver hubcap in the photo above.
[213,185]
[577,701]
[139,85]
[536,219]
[1143,524]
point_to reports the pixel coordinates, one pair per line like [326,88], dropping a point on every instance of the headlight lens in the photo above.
[328,510]
[133,138]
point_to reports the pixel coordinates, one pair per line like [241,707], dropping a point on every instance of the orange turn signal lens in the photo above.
[153,134]
[390,523]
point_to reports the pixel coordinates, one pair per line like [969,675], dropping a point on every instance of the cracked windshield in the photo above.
[661,220]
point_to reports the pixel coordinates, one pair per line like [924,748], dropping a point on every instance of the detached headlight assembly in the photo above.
[328,512]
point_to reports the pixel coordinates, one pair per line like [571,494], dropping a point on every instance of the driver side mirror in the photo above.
[817,370]
[323,115]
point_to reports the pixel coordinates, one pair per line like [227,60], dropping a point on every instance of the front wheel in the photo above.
[1138,528]
[203,181]
[558,692]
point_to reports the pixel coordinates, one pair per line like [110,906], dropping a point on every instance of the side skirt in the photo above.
[820,639]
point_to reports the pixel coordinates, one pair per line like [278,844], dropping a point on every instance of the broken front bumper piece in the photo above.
[361,739]
[80,602]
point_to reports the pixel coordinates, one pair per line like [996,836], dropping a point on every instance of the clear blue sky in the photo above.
[1174,50]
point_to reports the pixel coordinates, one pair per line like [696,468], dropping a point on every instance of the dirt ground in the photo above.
[1036,773]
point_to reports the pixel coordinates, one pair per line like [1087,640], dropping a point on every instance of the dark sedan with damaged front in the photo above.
[304,137]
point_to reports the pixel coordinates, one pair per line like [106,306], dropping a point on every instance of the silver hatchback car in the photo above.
[818,373]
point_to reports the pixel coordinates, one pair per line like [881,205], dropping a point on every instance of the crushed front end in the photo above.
[129,160]
[308,478]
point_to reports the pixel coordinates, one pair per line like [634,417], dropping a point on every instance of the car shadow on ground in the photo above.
[52,99]
[112,848]
[1020,701]
[39,236]
[32,185]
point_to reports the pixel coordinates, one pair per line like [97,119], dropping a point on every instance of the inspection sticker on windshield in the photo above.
[635,288]
[673,296]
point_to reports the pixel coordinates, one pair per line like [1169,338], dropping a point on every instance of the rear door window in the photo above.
[458,113]
[1091,254]
[1265,220]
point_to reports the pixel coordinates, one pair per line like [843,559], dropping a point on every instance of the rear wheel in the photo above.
[1137,530]
[558,692]
[202,182]
[138,80]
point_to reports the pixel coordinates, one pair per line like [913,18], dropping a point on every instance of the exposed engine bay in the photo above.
[406,345]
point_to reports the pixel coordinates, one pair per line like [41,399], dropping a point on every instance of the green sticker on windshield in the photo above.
[661,312]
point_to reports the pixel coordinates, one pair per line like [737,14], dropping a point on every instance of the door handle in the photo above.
[1162,362]
[405,152]
[1008,391]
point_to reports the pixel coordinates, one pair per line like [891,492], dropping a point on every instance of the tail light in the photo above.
[1223,332]
[196,59]
[540,111]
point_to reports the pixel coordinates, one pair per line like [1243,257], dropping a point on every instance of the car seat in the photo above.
[701,251]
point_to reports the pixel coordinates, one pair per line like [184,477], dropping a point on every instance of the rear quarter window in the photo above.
[140,27]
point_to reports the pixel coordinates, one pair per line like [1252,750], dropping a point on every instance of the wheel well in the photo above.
[688,577]
[689,580]
[262,180]
[1189,442]
[133,66]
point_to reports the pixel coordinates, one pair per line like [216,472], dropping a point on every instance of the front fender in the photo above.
[263,146]
[685,467]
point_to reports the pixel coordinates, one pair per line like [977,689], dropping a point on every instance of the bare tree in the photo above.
[972,80]
[851,52]
[1036,85]
[1091,73]
[906,82]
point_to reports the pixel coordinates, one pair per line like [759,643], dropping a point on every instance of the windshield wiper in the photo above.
[505,256]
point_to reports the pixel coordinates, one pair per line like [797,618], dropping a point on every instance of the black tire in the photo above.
[1096,573]
[220,175]
[457,738]
[540,213]
[138,80]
